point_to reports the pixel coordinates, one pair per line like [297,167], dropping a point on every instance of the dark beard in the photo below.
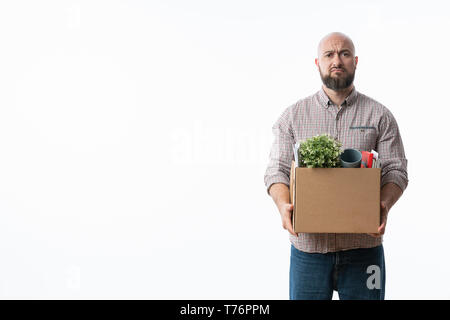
[337,83]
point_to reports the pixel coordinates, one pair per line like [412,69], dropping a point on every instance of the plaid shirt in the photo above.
[360,123]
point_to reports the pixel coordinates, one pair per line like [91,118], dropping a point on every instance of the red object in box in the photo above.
[367,159]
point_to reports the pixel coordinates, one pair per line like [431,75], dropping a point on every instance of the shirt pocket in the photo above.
[364,139]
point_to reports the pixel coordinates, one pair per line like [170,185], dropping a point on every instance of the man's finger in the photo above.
[290,228]
[375,235]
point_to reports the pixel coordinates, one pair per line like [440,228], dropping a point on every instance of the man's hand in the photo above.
[383,213]
[286,217]
[280,194]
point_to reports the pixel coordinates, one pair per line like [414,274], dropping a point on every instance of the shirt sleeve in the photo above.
[281,153]
[391,153]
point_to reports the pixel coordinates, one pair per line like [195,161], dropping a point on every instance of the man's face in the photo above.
[336,63]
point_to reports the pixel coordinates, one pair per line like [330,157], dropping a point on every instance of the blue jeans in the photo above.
[355,274]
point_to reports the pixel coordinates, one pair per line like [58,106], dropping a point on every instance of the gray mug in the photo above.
[351,158]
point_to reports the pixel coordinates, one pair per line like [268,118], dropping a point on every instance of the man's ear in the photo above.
[356,61]
[316,62]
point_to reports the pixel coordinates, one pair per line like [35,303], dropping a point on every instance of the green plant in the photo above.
[321,151]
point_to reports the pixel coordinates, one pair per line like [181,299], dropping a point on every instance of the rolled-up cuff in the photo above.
[395,177]
[276,179]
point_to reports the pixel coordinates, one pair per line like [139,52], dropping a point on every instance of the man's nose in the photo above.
[337,60]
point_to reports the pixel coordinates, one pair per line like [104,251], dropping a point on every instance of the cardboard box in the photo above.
[335,200]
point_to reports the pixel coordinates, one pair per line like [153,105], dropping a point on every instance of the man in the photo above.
[323,262]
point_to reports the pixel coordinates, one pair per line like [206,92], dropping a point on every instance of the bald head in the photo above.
[332,38]
[336,61]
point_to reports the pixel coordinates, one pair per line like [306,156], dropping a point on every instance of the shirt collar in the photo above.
[326,102]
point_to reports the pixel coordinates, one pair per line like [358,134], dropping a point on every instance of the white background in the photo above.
[134,137]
